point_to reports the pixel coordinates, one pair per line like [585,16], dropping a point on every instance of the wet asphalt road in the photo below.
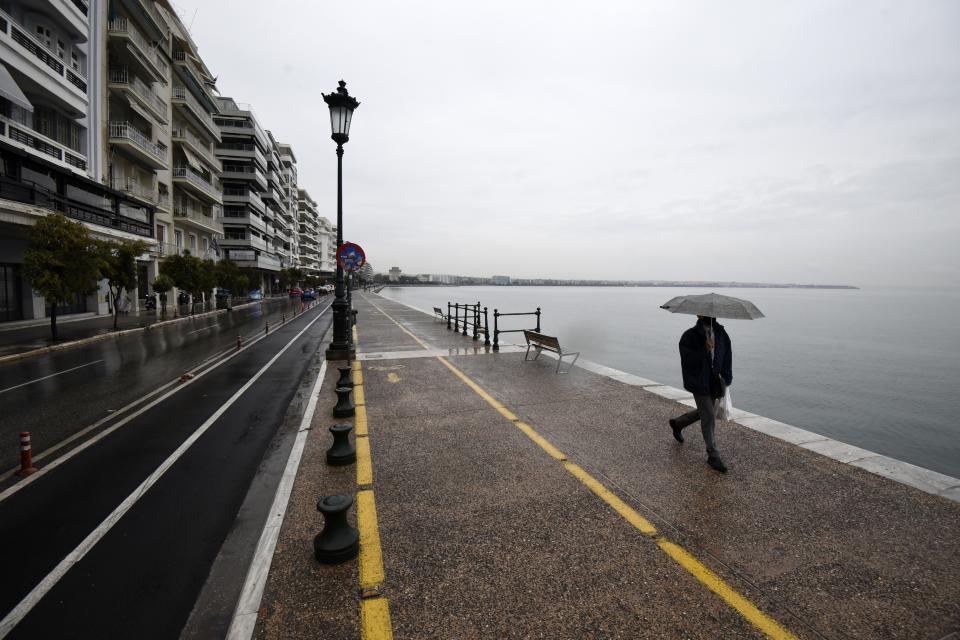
[90,382]
[143,577]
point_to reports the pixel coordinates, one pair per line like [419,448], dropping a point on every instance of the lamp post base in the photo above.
[340,353]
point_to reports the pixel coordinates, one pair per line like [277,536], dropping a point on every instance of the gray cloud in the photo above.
[747,140]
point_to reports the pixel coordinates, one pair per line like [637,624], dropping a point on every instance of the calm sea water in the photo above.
[876,368]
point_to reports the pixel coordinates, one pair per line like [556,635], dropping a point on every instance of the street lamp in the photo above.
[341,106]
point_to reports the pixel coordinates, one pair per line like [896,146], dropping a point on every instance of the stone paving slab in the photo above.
[485,536]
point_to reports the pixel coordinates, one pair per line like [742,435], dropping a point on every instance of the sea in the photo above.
[876,368]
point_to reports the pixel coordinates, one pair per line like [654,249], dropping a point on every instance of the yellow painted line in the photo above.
[360,423]
[358,400]
[356,365]
[354,333]
[392,377]
[767,625]
[357,375]
[709,579]
[618,505]
[371,560]
[375,619]
[364,465]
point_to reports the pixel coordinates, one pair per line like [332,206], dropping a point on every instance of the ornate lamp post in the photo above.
[341,106]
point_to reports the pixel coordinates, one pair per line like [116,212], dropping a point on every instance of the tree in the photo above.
[193,275]
[231,277]
[60,262]
[118,265]
[161,284]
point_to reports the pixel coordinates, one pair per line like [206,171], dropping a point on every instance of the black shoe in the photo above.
[716,463]
[677,430]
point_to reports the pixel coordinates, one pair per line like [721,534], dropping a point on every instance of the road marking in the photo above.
[392,377]
[371,558]
[770,627]
[375,619]
[65,457]
[209,326]
[245,614]
[59,373]
[75,556]
[364,465]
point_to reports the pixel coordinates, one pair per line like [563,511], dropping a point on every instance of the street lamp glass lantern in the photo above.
[341,106]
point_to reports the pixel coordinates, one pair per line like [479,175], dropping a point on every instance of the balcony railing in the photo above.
[127,131]
[181,94]
[26,136]
[121,25]
[194,178]
[203,148]
[47,58]
[205,218]
[140,88]
[181,57]
[244,194]
[133,187]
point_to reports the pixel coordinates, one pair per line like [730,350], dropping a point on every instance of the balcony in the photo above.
[103,216]
[191,75]
[137,89]
[23,52]
[233,195]
[204,219]
[246,150]
[194,110]
[196,184]
[132,187]
[247,219]
[142,50]
[245,173]
[202,148]
[137,144]
[24,137]
[149,17]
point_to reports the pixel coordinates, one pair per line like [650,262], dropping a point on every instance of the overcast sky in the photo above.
[751,141]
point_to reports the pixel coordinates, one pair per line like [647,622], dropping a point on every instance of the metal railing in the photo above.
[144,46]
[127,131]
[196,179]
[132,186]
[139,87]
[181,93]
[497,330]
[471,318]
[203,148]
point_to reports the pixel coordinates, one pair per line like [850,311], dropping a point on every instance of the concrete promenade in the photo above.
[497,499]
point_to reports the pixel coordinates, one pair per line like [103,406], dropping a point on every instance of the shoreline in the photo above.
[926,480]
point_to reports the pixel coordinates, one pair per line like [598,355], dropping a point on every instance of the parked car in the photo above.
[295,292]
[256,294]
[309,294]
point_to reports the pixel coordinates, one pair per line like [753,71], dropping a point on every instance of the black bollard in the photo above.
[344,408]
[338,542]
[346,376]
[342,452]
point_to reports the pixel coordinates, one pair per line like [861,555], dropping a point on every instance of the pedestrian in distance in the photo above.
[707,363]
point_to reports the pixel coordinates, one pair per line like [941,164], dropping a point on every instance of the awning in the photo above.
[191,159]
[146,115]
[10,90]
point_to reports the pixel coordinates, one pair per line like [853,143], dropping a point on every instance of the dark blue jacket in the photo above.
[695,359]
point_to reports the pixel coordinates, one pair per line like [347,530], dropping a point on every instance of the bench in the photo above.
[542,343]
[439,314]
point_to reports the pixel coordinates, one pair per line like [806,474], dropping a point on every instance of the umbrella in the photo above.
[713,305]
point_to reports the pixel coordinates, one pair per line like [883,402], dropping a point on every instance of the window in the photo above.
[206,246]
[161,233]
[193,243]
[178,239]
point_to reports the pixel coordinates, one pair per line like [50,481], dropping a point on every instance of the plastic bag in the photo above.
[725,408]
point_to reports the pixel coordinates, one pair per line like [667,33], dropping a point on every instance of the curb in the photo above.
[113,334]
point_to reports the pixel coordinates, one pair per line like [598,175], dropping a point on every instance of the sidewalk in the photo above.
[511,502]
[22,337]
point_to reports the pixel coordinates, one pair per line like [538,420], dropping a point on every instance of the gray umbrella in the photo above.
[713,305]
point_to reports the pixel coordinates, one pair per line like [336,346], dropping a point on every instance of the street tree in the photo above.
[60,262]
[118,266]
[190,273]
[161,285]
[231,277]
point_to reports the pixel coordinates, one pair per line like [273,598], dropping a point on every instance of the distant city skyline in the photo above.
[811,142]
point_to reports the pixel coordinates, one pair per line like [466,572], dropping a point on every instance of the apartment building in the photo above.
[327,239]
[287,240]
[308,232]
[52,147]
[249,225]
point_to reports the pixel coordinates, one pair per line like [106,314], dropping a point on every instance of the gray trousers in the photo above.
[706,413]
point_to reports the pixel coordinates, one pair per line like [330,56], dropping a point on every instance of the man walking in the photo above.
[707,363]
